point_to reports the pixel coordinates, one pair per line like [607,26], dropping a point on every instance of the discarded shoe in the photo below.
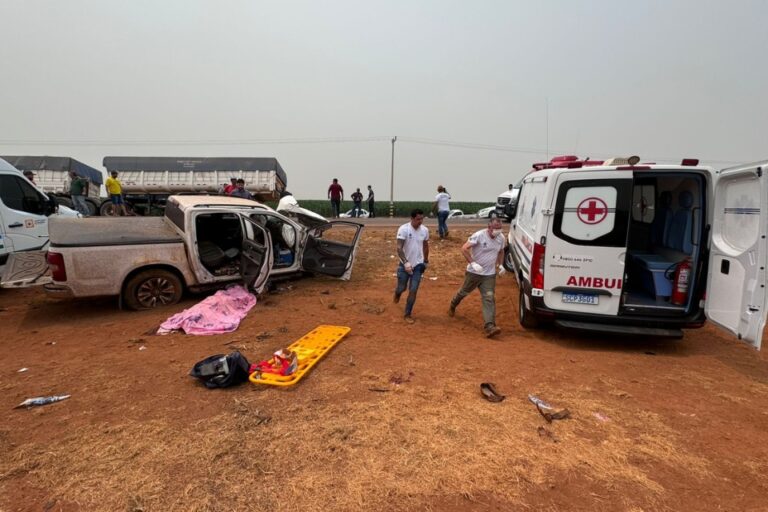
[489,392]
[492,331]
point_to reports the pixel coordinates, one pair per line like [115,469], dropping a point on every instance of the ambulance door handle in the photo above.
[15,225]
[725,266]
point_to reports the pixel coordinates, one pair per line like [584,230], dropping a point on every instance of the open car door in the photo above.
[23,269]
[331,248]
[736,294]
[256,256]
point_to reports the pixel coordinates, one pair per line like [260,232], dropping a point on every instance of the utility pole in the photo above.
[392,181]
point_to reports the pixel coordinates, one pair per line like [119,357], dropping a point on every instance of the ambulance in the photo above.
[625,247]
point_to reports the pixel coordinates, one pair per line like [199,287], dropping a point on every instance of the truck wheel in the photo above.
[107,209]
[64,201]
[508,262]
[92,208]
[151,289]
[527,317]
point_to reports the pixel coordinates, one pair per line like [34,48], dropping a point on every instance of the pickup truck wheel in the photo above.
[151,289]
[527,317]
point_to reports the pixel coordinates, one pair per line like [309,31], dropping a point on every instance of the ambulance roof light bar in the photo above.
[690,162]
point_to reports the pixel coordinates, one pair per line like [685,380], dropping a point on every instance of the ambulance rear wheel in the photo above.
[527,317]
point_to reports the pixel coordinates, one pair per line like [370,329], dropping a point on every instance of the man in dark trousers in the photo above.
[357,199]
[371,206]
[336,195]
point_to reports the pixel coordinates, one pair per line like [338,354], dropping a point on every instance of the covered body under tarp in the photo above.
[111,231]
[37,164]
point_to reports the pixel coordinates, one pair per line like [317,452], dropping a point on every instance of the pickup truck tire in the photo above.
[527,317]
[151,289]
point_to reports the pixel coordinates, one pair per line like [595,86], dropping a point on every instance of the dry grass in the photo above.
[401,447]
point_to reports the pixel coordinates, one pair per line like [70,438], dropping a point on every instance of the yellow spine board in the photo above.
[309,349]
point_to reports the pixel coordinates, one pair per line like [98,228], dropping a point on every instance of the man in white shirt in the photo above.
[484,251]
[413,251]
[443,208]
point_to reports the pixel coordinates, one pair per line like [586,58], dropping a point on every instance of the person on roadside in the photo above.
[228,189]
[115,191]
[413,252]
[336,195]
[442,207]
[371,205]
[78,189]
[484,252]
[240,191]
[357,199]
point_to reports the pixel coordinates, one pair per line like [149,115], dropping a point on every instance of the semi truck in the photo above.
[148,181]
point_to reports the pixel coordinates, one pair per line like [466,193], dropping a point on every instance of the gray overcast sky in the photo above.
[662,79]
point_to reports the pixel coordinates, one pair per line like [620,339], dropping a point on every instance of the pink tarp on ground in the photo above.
[218,314]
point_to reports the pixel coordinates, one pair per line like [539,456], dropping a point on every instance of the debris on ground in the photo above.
[372,308]
[41,400]
[547,411]
[22,370]
[263,335]
[488,390]
[397,378]
[142,347]
[601,417]
[379,390]
[543,432]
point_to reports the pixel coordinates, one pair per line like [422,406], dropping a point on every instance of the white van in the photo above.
[24,212]
[642,249]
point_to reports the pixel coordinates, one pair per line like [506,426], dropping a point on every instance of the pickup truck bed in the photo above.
[111,231]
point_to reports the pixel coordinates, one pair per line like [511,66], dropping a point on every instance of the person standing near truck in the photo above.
[78,189]
[371,208]
[442,207]
[357,199]
[336,195]
[484,251]
[413,251]
[240,190]
[115,191]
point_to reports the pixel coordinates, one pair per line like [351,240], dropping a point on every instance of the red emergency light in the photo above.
[691,162]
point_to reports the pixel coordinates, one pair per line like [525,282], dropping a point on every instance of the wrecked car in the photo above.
[201,243]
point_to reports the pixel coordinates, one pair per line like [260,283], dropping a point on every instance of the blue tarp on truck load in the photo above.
[141,163]
[55,163]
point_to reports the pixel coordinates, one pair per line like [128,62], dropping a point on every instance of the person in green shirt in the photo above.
[78,189]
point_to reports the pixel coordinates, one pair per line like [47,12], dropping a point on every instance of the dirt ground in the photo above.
[391,419]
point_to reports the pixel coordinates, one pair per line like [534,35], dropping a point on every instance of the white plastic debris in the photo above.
[23,370]
[41,400]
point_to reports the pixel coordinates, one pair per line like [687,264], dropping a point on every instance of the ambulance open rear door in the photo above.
[736,282]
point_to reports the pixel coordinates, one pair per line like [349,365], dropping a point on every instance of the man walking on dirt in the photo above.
[115,191]
[442,207]
[336,195]
[78,189]
[371,209]
[484,251]
[413,251]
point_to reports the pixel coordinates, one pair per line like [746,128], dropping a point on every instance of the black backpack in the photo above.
[222,371]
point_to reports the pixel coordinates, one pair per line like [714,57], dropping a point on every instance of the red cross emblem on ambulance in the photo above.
[592,210]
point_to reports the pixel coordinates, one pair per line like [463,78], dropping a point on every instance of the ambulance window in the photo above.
[19,195]
[593,212]
[643,203]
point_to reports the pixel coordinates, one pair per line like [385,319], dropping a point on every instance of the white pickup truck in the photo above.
[202,242]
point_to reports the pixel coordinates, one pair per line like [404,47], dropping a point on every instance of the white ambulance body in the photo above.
[600,248]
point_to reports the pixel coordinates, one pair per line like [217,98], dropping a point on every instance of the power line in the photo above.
[321,140]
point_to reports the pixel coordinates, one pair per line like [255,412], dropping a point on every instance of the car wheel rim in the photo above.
[155,292]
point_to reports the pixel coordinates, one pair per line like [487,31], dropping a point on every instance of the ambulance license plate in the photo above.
[581,298]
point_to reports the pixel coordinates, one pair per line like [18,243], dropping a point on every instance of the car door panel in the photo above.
[256,255]
[330,249]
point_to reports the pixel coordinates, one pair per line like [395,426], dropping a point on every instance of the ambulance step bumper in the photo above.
[620,329]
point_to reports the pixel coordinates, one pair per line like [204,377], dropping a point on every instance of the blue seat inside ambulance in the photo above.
[671,238]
